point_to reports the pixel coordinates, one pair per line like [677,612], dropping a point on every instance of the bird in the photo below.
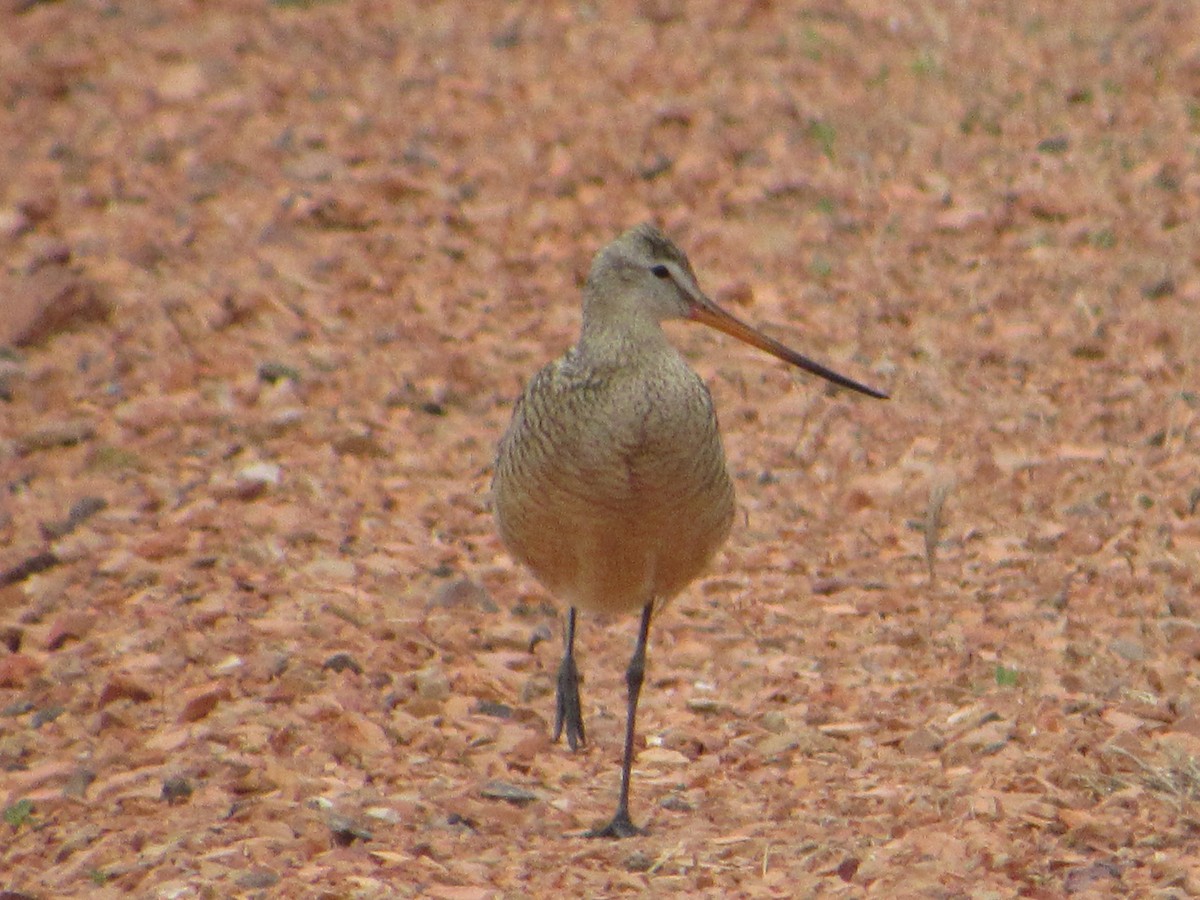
[610,482]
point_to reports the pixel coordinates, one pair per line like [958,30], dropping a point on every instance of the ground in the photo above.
[273,275]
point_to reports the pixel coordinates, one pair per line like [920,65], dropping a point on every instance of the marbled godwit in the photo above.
[610,483]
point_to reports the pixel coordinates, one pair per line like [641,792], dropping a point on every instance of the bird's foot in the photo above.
[620,827]
[567,712]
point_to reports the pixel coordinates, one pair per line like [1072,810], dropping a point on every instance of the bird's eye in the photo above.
[660,271]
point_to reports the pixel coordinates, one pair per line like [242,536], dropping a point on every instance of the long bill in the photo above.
[708,313]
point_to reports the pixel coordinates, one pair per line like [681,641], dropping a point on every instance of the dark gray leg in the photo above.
[621,825]
[566,698]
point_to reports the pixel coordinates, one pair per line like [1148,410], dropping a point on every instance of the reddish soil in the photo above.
[273,273]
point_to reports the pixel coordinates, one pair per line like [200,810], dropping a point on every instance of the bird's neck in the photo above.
[605,344]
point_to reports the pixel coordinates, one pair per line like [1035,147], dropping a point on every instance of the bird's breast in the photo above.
[613,490]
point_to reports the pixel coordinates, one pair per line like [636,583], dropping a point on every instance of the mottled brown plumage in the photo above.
[610,483]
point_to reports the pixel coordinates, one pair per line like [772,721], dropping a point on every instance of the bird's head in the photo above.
[642,279]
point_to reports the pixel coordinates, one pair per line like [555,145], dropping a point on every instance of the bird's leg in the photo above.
[621,825]
[566,698]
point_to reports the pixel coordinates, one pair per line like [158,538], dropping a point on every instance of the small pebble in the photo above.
[346,831]
[176,789]
[493,709]
[78,782]
[432,683]
[55,434]
[263,472]
[677,803]
[511,793]
[257,879]
[1128,650]
[463,592]
[13,223]
[638,861]
[775,722]
[384,814]
[272,372]
[340,662]
[43,716]
[329,569]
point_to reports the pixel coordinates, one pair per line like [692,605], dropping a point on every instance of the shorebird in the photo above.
[610,482]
